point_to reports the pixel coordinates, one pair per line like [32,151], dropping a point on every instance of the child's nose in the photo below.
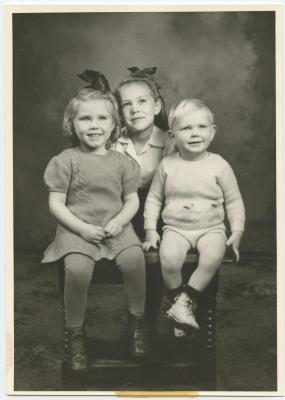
[94,124]
[135,107]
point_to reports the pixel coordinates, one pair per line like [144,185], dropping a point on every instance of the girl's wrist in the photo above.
[81,228]
[239,231]
[119,221]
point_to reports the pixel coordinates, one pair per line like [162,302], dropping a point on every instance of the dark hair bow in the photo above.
[143,73]
[146,71]
[96,80]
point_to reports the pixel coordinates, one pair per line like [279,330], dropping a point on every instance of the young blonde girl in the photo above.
[93,196]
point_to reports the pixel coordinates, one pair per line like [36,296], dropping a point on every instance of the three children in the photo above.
[93,195]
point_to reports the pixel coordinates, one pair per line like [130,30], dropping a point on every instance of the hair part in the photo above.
[153,87]
[72,109]
[186,106]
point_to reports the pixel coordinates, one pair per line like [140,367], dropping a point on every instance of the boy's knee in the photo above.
[212,255]
[169,259]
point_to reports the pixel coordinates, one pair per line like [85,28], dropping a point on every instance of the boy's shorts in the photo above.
[193,236]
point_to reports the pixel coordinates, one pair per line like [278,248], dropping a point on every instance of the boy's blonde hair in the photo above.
[72,109]
[186,106]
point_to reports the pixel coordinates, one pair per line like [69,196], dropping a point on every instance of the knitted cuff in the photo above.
[192,293]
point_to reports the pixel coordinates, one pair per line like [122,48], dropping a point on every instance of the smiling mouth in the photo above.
[136,119]
[94,134]
[195,142]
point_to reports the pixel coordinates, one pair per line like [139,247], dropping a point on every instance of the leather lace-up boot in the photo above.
[75,348]
[139,336]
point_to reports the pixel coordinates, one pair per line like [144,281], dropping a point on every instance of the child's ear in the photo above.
[170,134]
[157,107]
[213,131]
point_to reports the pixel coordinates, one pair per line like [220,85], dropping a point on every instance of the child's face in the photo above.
[193,133]
[138,107]
[93,124]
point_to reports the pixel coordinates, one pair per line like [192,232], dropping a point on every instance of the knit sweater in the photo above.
[194,194]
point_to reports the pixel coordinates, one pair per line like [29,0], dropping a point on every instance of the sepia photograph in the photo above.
[143,151]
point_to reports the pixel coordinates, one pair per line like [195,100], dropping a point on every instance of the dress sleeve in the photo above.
[57,175]
[130,176]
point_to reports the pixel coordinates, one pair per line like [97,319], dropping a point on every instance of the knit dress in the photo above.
[94,186]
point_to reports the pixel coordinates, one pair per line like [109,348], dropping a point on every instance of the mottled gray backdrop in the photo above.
[225,58]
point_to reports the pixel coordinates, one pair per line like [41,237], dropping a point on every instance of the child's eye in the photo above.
[142,101]
[102,117]
[202,126]
[127,104]
[84,118]
[186,128]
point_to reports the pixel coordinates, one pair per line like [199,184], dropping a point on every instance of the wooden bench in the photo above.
[175,364]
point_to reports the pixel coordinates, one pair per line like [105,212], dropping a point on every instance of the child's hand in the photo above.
[113,228]
[92,233]
[234,241]
[152,239]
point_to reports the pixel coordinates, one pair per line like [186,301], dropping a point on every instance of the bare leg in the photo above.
[211,247]
[173,251]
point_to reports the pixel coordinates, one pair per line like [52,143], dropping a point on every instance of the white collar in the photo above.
[156,138]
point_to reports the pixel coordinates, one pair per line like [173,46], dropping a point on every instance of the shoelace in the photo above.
[140,331]
[189,303]
[77,345]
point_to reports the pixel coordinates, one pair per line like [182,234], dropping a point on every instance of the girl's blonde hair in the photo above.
[140,76]
[186,106]
[72,109]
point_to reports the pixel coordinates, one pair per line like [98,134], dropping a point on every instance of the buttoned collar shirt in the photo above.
[149,156]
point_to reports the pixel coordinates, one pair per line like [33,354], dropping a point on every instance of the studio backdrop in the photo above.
[227,59]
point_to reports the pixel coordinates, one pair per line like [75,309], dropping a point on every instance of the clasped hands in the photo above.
[95,234]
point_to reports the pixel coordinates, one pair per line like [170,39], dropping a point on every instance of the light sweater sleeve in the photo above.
[233,200]
[155,198]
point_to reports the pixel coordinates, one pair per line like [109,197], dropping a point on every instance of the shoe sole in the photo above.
[180,334]
[136,355]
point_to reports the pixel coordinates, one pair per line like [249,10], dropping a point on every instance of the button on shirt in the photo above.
[158,146]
